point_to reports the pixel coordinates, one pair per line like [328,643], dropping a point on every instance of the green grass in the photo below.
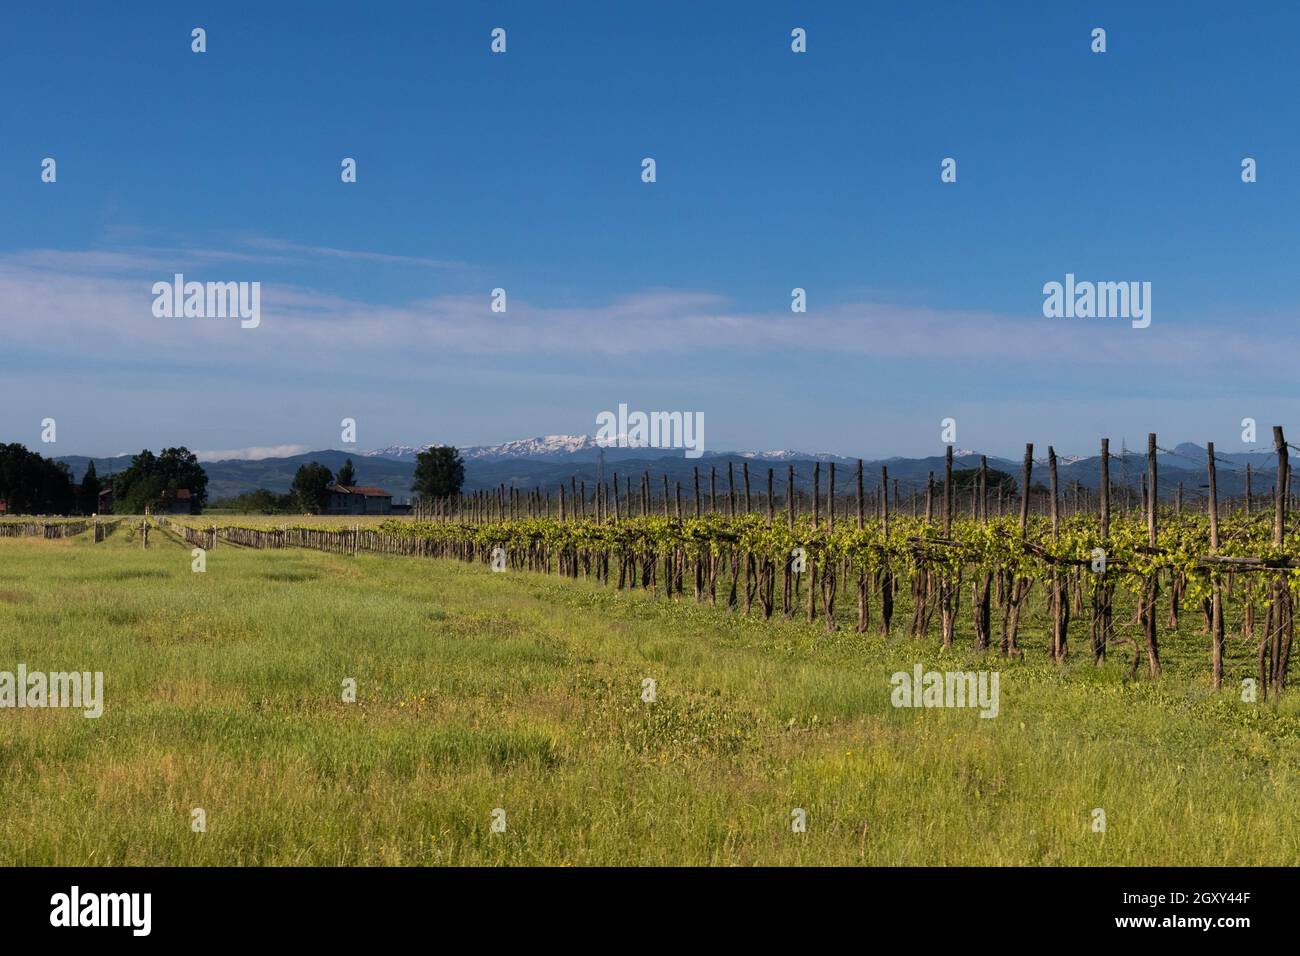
[480,690]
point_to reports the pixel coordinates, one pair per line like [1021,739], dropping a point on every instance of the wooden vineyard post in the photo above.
[668,555]
[1027,471]
[830,580]
[767,580]
[947,492]
[983,489]
[857,474]
[949,584]
[1016,588]
[923,579]
[1059,605]
[886,574]
[1102,589]
[753,580]
[787,607]
[982,590]
[817,494]
[1216,593]
[810,566]
[771,501]
[830,500]
[1275,648]
[1152,588]
[863,606]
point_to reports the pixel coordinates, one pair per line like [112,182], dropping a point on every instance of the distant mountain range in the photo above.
[548,461]
[578,448]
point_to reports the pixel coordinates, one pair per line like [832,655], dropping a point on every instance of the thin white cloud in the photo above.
[255,453]
[356,255]
[98,305]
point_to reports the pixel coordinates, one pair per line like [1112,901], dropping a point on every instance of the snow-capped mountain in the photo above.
[543,446]
[785,454]
[581,448]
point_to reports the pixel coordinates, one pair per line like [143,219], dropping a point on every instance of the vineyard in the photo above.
[1046,566]
[509,669]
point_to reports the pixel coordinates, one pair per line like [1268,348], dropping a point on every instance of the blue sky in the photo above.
[522,171]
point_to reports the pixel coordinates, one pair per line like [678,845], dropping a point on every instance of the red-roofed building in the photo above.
[179,503]
[357,500]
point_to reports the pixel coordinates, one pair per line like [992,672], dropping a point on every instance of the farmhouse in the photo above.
[106,501]
[357,500]
[179,502]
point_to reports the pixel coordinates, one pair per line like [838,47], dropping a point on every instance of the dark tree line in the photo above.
[33,484]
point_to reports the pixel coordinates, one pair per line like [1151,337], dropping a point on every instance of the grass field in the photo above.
[479,691]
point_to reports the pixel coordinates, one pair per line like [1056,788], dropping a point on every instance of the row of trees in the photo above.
[33,484]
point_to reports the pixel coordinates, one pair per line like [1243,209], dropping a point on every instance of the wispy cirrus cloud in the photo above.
[52,300]
[355,255]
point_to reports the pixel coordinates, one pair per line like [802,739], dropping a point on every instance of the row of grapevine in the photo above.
[765,566]
[56,529]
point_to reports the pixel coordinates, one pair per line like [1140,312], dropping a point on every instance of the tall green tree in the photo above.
[152,480]
[310,487]
[439,472]
[90,489]
[347,474]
